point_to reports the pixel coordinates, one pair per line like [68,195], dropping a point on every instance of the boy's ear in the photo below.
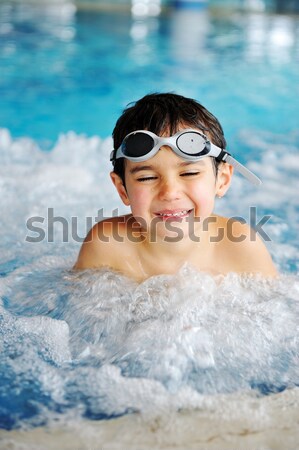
[122,192]
[224,177]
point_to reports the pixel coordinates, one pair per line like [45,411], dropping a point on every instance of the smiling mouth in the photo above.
[177,214]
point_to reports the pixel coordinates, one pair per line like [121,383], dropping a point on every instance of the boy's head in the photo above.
[165,113]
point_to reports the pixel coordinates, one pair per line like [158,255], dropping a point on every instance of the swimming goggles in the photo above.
[189,144]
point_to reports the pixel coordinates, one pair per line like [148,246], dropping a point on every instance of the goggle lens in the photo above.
[138,144]
[189,143]
[192,143]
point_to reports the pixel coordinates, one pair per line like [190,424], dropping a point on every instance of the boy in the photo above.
[169,164]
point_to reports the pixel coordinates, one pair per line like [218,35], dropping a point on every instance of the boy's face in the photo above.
[166,191]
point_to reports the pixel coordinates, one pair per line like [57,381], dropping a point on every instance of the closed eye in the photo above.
[189,174]
[146,179]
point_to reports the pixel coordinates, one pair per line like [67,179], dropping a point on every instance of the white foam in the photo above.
[100,344]
[141,347]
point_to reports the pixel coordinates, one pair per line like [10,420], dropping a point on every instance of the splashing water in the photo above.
[103,345]
[96,345]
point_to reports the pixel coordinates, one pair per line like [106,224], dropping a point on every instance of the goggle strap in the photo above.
[243,170]
[222,155]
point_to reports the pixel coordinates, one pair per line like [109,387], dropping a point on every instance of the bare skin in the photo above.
[141,260]
[172,223]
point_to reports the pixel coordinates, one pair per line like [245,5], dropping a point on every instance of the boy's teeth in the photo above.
[181,213]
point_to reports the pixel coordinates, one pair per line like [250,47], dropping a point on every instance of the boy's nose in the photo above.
[169,190]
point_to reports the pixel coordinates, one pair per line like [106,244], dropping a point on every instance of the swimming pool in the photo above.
[94,359]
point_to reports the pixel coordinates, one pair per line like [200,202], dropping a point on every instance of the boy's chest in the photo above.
[140,266]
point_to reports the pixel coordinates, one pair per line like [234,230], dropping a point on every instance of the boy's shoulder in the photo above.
[110,226]
[106,243]
[243,247]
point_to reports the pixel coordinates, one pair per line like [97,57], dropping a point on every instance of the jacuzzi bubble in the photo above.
[97,345]
[116,346]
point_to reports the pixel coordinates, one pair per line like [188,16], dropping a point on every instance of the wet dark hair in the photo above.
[160,112]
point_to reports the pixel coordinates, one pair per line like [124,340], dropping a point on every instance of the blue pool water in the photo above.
[64,70]
[97,345]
